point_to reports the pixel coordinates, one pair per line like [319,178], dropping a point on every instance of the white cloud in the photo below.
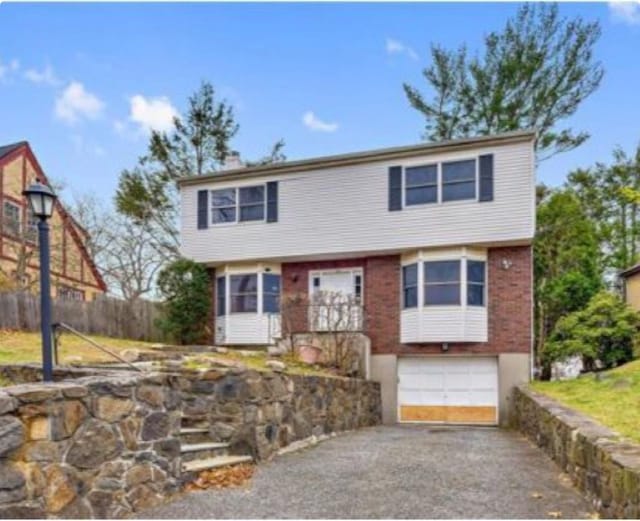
[625,11]
[312,122]
[397,47]
[45,77]
[6,69]
[82,147]
[75,103]
[150,114]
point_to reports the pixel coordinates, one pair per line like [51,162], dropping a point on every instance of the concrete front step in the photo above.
[195,451]
[214,463]
[192,435]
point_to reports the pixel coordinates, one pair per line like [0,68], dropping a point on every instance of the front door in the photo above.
[335,300]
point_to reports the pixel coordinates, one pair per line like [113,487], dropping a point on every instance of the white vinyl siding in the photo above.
[344,211]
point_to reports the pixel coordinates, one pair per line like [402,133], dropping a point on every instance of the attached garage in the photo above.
[456,390]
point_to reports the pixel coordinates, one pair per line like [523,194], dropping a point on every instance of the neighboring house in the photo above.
[73,272]
[631,286]
[434,240]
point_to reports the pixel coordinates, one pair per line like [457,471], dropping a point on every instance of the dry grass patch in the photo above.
[18,347]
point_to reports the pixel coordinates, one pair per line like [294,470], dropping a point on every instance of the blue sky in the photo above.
[84,83]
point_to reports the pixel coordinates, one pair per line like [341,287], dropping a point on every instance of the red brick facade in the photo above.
[510,298]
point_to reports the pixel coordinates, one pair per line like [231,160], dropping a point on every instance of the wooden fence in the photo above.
[104,316]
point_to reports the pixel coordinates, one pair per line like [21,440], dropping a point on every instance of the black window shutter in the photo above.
[486,177]
[395,188]
[272,201]
[203,210]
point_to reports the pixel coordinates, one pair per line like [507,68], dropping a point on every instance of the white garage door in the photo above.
[448,390]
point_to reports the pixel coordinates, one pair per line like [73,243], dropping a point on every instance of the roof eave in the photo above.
[361,157]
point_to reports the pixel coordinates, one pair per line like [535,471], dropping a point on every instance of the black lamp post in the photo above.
[41,199]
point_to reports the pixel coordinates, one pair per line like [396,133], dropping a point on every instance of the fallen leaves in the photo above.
[554,514]
[225,477]
[536,495]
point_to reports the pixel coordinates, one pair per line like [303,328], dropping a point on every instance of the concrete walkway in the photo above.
[398,472]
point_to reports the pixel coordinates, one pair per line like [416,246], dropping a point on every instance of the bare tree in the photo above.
[121,249]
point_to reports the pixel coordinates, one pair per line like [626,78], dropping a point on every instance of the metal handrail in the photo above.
[62,325]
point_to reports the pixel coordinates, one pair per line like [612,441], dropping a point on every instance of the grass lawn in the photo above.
[612,397]
[24,347]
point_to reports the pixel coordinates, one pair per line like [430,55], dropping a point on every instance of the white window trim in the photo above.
[353,271]
[237,206]
[228,271]
[440,184]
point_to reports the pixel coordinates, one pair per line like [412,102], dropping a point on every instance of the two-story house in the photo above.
[73,272]
[433,239]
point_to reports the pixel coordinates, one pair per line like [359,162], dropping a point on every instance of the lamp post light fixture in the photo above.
[41,199]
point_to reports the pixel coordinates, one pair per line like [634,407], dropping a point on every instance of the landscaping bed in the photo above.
[610,397]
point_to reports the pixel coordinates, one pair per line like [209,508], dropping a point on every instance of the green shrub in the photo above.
[184,286]
[605,331]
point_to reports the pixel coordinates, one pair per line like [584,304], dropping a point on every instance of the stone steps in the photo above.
[196,451]
[214,463]
[200,452]
[191,435]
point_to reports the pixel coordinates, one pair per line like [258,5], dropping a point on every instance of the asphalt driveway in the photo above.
[398,472]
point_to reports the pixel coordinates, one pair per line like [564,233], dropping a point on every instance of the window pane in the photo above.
[244,284]
[271,303]
[409,275]
[441,271]
[475,271]
[224,215]
[244,304]
[475,294]
[226,197]
[459,191]
[252,213]
[459,171]
[271,283]
[410,297]
[421,175]
[422,195]
[441,294]
[221,296]
[252,194]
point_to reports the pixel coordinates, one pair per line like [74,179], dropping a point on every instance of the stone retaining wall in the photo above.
[108,445]
[260,412]
[91,447]
[601,464]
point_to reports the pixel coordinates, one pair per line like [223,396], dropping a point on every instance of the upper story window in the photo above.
[31,231]
[223,206]
[475,282]
[244,293]
[459,180]
[252,203]
[440,182]
[442,283]
[410,286]
[11,218]
[421,185]
[230,205]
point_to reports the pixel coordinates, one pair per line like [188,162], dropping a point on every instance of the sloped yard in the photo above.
[611,397]
[18,347]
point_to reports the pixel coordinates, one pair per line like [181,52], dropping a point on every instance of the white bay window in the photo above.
[444,295]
